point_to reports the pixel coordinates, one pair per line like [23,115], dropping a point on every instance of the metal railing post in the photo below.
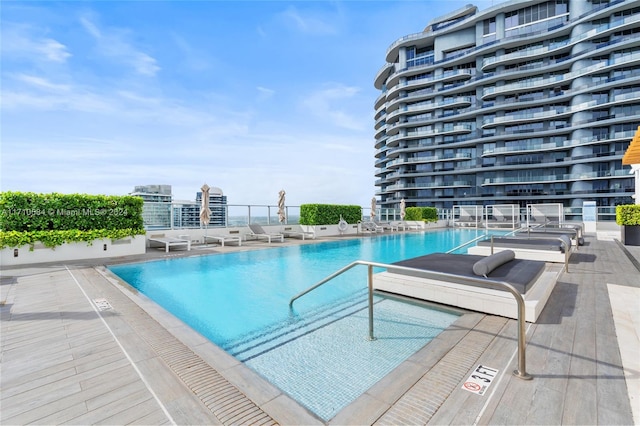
[370,280]
[521,372]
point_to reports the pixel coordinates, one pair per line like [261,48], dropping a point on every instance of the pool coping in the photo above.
[278,404]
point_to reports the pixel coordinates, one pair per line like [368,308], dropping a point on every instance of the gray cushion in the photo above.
[484,266]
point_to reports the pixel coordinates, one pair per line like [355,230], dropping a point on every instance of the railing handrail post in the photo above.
[521,372]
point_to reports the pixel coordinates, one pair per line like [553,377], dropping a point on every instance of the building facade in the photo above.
[525,102]
[186,214]
[156,209]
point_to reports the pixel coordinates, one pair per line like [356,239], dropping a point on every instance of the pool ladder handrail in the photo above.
[521,372]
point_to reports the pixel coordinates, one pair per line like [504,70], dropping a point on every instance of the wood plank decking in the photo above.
[65,361]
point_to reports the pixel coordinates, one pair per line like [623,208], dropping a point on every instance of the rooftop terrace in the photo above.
[81,347]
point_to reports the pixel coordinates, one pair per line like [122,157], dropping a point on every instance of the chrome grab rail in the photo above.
[567,249]
[521,372]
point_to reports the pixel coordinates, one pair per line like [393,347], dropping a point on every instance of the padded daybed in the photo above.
[574,234]
[533,279]
[556,248]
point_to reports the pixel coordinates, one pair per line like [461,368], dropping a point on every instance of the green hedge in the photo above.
[27,211]
[427,214]
[54,219]
[628,214]
[329,214]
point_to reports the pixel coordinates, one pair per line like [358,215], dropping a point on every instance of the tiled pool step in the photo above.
[256,344]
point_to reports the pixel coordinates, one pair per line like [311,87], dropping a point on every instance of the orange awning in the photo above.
[632,155]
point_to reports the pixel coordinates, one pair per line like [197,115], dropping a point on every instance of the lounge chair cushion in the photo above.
[484,266]
[520,273]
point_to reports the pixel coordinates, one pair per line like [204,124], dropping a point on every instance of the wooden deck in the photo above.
[78,348]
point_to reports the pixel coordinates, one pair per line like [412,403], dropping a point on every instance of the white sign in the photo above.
[480,379]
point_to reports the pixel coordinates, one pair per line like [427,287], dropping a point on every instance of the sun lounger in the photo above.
[574,233]
[170,242]
[556,248]
[371,227]
[256,231]
[221,239]
[404,225]
[535,280]
[297,231]
[387,226]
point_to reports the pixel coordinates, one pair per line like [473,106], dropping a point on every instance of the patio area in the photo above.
[80,347]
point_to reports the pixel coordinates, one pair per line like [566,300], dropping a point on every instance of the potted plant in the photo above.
[628,216]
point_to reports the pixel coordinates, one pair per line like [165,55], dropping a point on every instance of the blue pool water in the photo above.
[317,353]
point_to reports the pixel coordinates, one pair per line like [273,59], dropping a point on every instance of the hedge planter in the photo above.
[97,249]
[631,235]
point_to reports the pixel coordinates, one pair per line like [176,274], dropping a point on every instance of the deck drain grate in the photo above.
[102,304]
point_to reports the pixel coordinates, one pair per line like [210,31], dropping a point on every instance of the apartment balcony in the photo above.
[557,146]
[541,83]
[431,185]
[567,177]
[555,48]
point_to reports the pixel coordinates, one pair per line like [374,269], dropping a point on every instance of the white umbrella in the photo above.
[403,208]
[205,213]
[373,209]
[281,215]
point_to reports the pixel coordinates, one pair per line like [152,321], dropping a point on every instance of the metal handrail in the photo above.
[521,372]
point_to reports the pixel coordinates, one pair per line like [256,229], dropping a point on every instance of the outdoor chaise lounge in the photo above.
[404,225]
[297,231]
[573,232]
[556,248]
[372,227]
[169,242]
[221,239]
[256,231]
[535,280]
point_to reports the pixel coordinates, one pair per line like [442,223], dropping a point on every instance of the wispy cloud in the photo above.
[41,83]
[329,103]
[308,24]
[114,43]
[23,41]
[265,93]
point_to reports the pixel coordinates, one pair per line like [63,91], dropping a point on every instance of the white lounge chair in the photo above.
[169,241]
[371,227]
[221,239]
[256,231]
[297,231]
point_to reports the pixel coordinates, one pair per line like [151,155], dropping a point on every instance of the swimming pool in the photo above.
[240,300]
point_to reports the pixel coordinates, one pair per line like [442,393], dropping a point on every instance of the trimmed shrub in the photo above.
[413,213]
[55,219]
[329,214]
[429,214]
[628,214]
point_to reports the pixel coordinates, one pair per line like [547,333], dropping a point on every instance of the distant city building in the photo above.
[186,214]
[156,210]
[525,102]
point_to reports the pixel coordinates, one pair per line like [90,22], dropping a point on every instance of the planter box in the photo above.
[102,248]
[630,235]
[331,230]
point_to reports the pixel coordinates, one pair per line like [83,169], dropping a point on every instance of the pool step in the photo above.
[254,345]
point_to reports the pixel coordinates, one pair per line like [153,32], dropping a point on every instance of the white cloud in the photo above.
[114,43]
[329,104]
[308,24]
[42,83]
[21,41]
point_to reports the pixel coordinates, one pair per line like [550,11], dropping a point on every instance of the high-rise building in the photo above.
[186,214]
[525,102]
[156,210]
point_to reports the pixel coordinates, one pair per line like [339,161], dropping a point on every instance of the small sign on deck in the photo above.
[102,304]
[480,379]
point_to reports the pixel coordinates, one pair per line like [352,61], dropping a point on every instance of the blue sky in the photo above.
[251,97]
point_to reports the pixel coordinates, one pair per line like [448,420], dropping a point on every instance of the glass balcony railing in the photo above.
[554,80]
[556,178]
[545,50]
